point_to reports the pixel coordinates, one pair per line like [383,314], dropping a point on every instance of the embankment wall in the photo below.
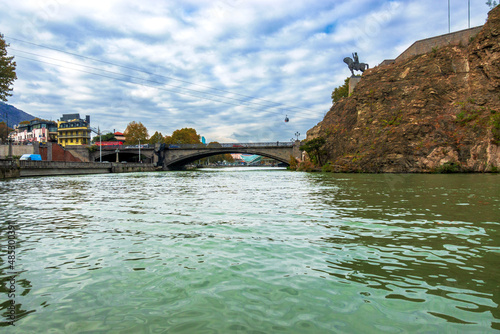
[16,168]
[17,150]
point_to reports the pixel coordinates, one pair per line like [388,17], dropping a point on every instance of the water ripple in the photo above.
[254,251]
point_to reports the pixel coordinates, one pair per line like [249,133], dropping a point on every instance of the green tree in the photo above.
[107,137]
[7,71]
[135,132]
[492,4]
[184,136]
[341,91]
[313,147]
[156,138]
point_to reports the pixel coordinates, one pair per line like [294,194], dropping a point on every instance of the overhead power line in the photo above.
[136,78]
[276,104]
[137,83]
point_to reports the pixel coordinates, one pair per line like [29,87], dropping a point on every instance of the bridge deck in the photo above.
[230,145]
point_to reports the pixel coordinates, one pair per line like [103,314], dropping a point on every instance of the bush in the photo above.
[448,167]
[495,130]
[328,168]
[293,163]
[306,166]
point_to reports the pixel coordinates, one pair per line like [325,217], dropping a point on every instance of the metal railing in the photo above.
[231,145]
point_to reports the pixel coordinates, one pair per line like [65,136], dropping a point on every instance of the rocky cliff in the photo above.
[434,111]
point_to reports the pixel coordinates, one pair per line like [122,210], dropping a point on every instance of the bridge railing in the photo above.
[229,145]
[125,147]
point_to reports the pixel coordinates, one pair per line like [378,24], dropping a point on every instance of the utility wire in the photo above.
[136,83]
[138,78]
[149,73]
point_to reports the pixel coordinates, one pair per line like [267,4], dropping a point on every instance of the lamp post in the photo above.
[9,156]
[100,143]
[297,134]
[139,151]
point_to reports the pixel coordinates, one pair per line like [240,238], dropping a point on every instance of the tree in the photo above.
[156,138]
[184,136]
[313,148]
[7,71]
[135,132]
[107,137]
[492,4]
[4,132]
[341,91]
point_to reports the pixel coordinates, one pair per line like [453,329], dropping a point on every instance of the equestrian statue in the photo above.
[355,65]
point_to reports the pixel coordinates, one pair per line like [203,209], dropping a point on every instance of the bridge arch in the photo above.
[177,156]
[187,159]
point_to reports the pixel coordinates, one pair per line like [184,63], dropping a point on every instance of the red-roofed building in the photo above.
[119,136]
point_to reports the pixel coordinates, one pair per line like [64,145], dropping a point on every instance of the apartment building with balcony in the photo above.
[72,130]
[36,130]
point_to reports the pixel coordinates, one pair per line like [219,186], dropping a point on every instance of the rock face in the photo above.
[434,110]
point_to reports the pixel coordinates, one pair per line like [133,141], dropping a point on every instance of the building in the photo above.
[118,140]
[119,136]
[72,130]
[36,130]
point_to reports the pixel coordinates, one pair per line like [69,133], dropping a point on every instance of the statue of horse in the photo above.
[355,66]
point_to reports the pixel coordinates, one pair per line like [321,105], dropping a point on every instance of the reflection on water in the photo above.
[253,250]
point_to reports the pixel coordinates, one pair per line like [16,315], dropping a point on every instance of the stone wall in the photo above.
[353,81]
[17,150]
[55,152]
[423,46]
[9,169]
[80,152]
[47,168]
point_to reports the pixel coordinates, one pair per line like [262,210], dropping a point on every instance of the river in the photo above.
[244,250]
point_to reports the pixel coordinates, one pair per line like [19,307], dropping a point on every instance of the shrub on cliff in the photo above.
[314,148]
[341,91]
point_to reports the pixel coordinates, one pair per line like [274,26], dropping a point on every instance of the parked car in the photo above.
[31,157]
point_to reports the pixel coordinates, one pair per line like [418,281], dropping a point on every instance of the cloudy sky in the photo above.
[231,69]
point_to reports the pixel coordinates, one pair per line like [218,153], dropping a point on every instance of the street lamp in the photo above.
[100,144]
[139,151]
[297,134]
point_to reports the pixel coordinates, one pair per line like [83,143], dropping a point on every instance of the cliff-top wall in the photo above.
[441,108]
[462,37]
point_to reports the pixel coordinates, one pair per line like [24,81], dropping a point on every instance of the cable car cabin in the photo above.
[286,119]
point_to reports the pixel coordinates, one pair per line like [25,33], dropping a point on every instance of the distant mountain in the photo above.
[14,115]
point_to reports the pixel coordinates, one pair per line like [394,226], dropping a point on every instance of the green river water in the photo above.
[250,251]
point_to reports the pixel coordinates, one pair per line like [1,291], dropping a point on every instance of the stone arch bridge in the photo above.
[176,156]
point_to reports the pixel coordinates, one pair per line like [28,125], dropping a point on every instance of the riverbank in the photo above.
[15,168]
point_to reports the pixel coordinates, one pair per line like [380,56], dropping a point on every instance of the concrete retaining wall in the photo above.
[55,152]
[17,150]
[9,169]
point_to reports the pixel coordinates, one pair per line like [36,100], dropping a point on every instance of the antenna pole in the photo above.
[468,12]
[449,25]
